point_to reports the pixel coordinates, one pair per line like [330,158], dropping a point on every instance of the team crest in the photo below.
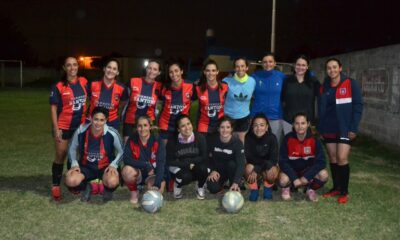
[342,91]
[204,98]
[116,97]
[188,95]
[307,150]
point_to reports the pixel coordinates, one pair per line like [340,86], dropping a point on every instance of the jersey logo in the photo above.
[342,91]
[66,93]
[307,150]
[240,97]
[188,95]
[116,97]
[204,98]
[134,88]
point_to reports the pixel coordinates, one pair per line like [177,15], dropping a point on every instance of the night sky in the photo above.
[45,30]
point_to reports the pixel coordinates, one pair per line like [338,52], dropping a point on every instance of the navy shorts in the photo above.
[65,134]
[241,124]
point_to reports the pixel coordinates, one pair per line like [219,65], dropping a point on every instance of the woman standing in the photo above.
[267,94]
[302,160]
[108,93]
[68,108]
[340,110]
[186,157]
[211,94]
[144,93]
[227,158]
[299,93]
[240,91]
[144,160]
[176,97]
[261,148]
[95,152]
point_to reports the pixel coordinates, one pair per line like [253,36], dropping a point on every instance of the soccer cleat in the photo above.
[107,195]
[101,187]
[342,199]
[56,193]
[134,197]
[253,195]
[331,193]
[286,193]
[312,195]
[177,191]
[201,193]
[86,194]
[95,187]
[267,193]
[74,191]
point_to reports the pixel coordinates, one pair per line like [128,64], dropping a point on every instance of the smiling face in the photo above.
[143,128]
[152,71]
[241,68]
[111,70]
[268,62]
[300,126]
[71,68]
[225,130]
[260,127]
[98,122]
[175,74]
[301,67]
[211,73]
[333,69]
[185,127]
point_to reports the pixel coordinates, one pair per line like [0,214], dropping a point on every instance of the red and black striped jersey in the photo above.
[211,107]
[70,99]
[142,101]
[107,97]
[176,101]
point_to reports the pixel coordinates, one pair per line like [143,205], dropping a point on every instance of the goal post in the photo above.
[16,64]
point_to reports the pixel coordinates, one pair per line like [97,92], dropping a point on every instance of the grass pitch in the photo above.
[27,211]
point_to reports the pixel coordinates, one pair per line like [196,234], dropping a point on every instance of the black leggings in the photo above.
[227,172]
[198,173]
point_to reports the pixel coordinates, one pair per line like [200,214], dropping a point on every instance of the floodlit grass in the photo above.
[27,211]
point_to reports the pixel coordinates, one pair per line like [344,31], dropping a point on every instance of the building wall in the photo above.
[378,73]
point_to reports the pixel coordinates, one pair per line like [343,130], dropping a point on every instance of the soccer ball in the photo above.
[152,201]
[232,201]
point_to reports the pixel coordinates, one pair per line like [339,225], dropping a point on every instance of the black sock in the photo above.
[335,177]
[57,171]
[345,176]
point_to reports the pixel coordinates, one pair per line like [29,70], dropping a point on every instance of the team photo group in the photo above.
[263,131]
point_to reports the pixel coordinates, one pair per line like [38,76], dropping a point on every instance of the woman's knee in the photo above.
[271,174]
[130,174]
[284,180]
[248,169]
[111,181]
[74,179]
[323,175]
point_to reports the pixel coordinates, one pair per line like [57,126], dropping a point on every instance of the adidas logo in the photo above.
[240,97]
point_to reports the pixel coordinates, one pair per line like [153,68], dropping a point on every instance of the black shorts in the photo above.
[91,172]
[65,134]
[241,124]
[337,140]
[128,129]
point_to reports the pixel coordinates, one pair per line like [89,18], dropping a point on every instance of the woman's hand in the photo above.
[252,177]
[235,187]
[57,134]
[111,170]
[213,177]
[297,183]
[352,135]
[151,172]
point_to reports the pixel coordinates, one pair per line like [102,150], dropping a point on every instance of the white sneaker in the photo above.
[312,195]
[134,197]
[177,191]
[201,193]
[286,193]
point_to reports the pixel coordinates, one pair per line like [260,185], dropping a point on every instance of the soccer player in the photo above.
[261,149]
[340,110]
[95,152]
[108,92]
[211,94]
[187,157]
[226,158]
[299,93]
[240,91]
[176,97]
[144,93]
[302,160]
[68,108]
[267,95]
[144,159]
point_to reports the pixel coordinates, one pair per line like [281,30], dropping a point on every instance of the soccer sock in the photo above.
[253,186]
[57,170]
[345,172]
[267,184]
[131,186]
[335,177]
[315,184]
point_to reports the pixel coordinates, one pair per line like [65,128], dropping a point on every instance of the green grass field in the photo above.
[27,211]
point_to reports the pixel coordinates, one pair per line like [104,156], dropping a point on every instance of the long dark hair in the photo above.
[308,80]
[262,116]
[203,78]
[64,79]
[169,81]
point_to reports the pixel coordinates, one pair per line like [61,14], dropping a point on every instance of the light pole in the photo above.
[273,26]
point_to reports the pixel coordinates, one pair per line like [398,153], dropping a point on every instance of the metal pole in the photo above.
[2,76]
[273,26]
[20,72]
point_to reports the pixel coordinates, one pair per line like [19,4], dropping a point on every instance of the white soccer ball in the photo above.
[232,201]
[152,201]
